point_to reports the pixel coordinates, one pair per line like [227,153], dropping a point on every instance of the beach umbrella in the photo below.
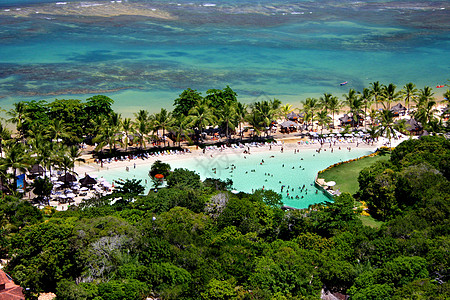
[36,170]
[88,180]
[159,176]
[331,183]
[67,178]
[288,124]
[292,116]
[235,192]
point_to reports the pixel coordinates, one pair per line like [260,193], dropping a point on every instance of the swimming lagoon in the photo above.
[270,169]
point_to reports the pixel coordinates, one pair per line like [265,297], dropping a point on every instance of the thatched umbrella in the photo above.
[87,181]
[36,170]
[67,178]
[292,116]
[286,124]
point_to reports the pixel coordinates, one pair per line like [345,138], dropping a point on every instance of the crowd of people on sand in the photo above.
[331,143]
[245,146]
[320,142]
[141,156]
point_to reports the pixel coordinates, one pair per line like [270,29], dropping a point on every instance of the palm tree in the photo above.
[141,126]
[310,106]
[227,116]
[354,103]
[255,120]
[387,125]
[446,112]
[375,91]
[447,97]
[19,116]
[5,135]
[425,106]
[334,106]
[74,153]
[426,94]
[163,120]
[106,136]
[389,95]
[127,127]
[323,119]
[181,127]
[324,102]
[409,92]
[58,131]
[373,114]
[241,113]
[201,116]
[266,110]
[285,110]
[365,98]
[45,152]
[65,163]
[17,159]
[373,131]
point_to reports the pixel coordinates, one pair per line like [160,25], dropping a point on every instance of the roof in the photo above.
[346,118]
[4,278]
[67,177]
[398,107]
[292,115]
[413,125]
[36,169]
[88,180]
[11,290]
[288,124]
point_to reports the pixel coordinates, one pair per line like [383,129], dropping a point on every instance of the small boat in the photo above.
[343,83]
[440,86]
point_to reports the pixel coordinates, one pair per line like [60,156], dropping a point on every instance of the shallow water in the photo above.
[248,174]
[265,49]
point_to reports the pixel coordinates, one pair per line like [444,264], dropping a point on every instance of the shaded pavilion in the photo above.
[66,178]
[87,181]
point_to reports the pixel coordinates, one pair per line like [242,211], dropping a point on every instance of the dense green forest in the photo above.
[196,240]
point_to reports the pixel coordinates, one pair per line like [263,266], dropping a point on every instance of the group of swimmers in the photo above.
[300,188]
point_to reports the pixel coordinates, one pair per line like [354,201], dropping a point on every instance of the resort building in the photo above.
[8,289]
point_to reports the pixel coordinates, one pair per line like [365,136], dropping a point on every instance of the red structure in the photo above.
[8,289]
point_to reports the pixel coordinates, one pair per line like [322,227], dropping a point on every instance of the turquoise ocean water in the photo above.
[247,172]
[262,49]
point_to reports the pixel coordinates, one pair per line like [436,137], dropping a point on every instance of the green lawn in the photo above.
[346,175]
[369,221]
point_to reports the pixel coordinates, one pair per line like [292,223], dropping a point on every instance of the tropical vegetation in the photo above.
[196,239]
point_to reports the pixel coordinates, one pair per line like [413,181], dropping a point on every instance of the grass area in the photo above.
[346,175]
[369,221]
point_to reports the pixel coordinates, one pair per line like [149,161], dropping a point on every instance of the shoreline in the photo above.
[290,144]
[287,143]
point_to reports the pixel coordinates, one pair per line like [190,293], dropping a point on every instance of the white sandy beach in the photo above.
[288,143]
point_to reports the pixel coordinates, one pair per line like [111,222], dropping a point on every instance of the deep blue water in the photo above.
[262,49]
